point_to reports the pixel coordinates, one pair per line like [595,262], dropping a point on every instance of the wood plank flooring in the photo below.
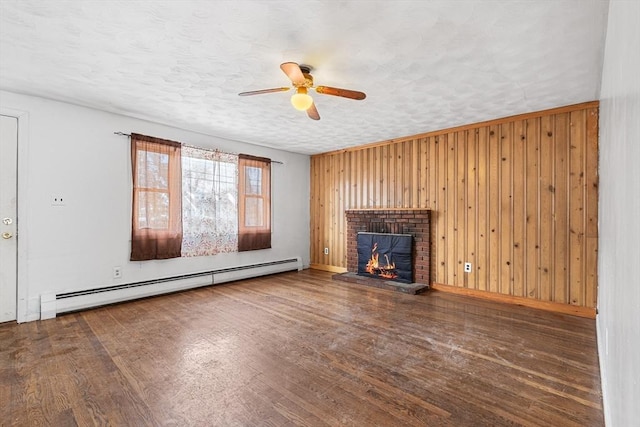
[300,349]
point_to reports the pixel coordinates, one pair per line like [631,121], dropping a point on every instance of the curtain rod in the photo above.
[129,135]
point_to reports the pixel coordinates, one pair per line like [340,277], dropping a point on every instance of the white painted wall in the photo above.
[618,320]
[71,152]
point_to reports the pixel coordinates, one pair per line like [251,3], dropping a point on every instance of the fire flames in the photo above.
[387,271]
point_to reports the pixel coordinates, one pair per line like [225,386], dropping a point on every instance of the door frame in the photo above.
[22,313]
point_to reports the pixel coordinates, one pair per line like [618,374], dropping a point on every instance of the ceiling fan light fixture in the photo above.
[301,100]
[302,81]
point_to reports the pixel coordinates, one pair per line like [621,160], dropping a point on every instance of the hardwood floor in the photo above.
[301,349]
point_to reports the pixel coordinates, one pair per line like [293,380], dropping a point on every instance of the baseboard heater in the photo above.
[51,304]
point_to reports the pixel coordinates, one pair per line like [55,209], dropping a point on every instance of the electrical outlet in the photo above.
[467,267]
[58,200]
[117,272]
[326,251]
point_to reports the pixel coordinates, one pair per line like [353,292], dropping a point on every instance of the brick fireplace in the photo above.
[415,222]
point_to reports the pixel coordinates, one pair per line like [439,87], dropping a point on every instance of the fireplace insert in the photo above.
[385,256]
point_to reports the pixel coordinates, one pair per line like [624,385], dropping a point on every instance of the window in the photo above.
[189,201]
[157,223]
[254,210]
[209,202]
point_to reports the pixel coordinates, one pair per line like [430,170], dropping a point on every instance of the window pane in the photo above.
[253,212]
[253,180]
[153,210]
[209,202]
[153,169]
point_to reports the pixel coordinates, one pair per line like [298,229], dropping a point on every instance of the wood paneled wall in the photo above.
[516,197]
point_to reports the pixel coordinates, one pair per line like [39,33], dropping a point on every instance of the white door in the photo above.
[8,211]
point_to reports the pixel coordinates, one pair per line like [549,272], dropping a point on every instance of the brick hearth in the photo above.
[400,221]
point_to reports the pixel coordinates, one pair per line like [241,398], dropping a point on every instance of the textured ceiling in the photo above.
[424,65]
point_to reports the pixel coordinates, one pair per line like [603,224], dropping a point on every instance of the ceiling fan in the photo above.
[302,81]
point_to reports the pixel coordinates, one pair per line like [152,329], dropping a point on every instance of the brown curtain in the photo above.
[156,226]
[254,204]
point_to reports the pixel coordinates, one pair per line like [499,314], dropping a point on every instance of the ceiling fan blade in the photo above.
[260,92]
[345,93]
[293,71]
[312,112]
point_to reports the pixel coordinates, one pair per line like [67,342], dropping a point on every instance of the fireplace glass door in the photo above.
[385,256]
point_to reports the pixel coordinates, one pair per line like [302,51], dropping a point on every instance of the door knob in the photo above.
[6,235]
[7,221]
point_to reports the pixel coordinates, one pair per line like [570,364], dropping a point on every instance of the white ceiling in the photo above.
[424,65]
